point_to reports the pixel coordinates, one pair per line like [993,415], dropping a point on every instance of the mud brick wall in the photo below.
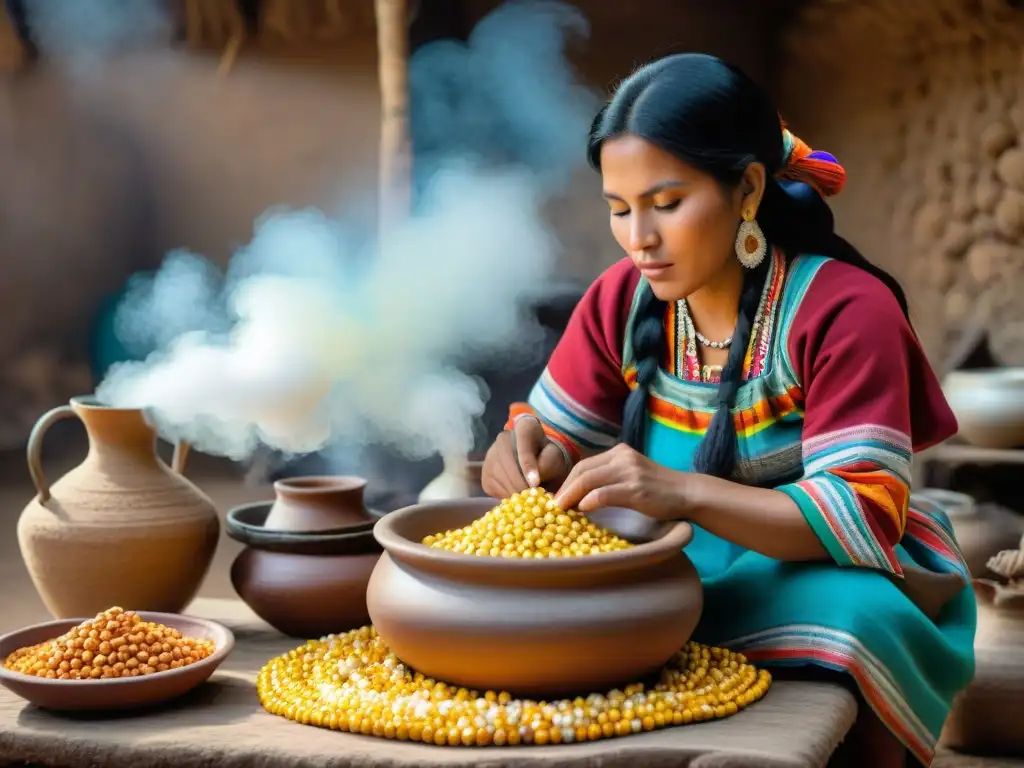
[923,101]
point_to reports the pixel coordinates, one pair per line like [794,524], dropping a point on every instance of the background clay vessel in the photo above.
[305,585]
[533,627]
[121,528]
[981,530]
[318,503]
[989,405]
[986,718]
[460,479]
[1000,615]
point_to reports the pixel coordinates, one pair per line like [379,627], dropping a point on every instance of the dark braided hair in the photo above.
[709,114]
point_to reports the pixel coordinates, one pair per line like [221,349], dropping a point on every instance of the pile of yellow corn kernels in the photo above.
[353,683]
[117,643]
[529,524]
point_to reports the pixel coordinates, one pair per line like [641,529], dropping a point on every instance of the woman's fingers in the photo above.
[614,495]
[530,442]
[552,465]
[586,477]
[523,458]
[501,477]
[514,480]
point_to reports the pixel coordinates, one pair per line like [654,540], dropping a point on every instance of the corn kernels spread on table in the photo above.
[529,524]
[117,643]
[352,682]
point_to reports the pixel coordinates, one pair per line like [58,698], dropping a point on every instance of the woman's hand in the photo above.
[523,458]
[622,477]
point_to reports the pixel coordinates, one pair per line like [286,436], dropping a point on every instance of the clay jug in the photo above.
[321,503]
[122,528]
[460,479]
[981,529]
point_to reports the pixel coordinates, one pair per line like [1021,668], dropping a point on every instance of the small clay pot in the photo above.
[305,585]
[320,503]
[536,628]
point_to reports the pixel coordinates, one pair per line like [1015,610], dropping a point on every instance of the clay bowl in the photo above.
[535,628]
[305,585]
[989,405]
[122,693]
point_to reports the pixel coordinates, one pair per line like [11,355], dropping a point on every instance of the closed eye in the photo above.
[664,208]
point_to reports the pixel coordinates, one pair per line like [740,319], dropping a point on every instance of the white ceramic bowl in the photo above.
[989,405]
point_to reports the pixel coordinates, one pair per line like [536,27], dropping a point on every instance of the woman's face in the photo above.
[677,224]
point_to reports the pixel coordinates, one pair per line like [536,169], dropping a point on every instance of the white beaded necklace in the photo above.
[686,329]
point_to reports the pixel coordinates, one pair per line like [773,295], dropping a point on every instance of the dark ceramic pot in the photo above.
[247,524]
[321,503]
[305,585]
[536,628]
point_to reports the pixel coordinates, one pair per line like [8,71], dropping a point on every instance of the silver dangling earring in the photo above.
[751,245]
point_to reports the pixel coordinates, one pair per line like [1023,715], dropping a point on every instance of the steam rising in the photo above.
[83,31]
[307,337]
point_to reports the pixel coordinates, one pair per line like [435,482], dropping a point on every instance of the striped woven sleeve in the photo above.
[580,394]
[871,400]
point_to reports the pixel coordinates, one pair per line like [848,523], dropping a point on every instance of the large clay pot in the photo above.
[989,405]
[122,528]
[304,584]
[460,479]
[318,503]
[533,627]
[986,718]
[981,530]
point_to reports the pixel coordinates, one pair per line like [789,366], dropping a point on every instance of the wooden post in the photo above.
[395,167]
[14,53]
[213,22]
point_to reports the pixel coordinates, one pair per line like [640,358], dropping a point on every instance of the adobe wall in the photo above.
[923,102]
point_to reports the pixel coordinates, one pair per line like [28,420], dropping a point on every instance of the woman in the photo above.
[749,371]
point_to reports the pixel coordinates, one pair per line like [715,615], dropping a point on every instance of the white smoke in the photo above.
[309,337]
[82,32]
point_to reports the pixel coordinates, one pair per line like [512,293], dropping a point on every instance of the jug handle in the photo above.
[34,452]
[181,449]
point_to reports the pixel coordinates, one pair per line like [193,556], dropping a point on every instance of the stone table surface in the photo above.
[796,725]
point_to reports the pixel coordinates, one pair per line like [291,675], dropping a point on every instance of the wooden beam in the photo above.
[17,46]
[395,162]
